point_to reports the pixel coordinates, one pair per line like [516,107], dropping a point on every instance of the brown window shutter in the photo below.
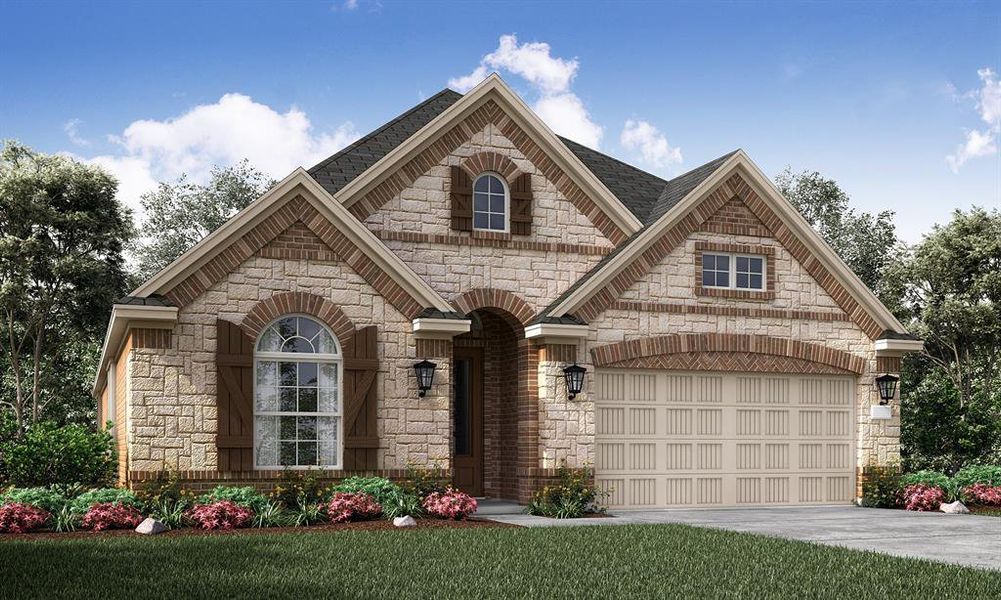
[361,434]
[234,397]
[461,188]
[521,205]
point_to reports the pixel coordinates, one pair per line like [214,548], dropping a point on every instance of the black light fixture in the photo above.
[574,376]
[887,386]
[425,376]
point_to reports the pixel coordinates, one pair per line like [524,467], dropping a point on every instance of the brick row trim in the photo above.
[478,298]
[462,132]
[730,362]
[733,218]
[612,354]
[728,311]
[888,364]
[490,161]
[434,348]
[489,239]
[263,481]
[767,251]
[151,338]
[268,310]
[564,353]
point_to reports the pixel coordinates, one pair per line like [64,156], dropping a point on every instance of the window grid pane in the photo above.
[747,271]
[489,204]
[750,271]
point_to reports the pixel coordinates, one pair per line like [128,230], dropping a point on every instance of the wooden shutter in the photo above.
[361,434]
[461,189]
[234,397]
[521,205]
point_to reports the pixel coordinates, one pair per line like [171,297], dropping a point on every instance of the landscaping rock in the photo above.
[954,508]
[407,521]
[151,527]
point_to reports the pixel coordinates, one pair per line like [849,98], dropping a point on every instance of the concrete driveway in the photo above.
[962,539]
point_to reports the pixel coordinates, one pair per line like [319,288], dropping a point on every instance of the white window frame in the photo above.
[732,279]
[507,202]
[337,358]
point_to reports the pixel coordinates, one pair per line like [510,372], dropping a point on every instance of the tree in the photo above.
[178,215]
[62,233]
[866,242]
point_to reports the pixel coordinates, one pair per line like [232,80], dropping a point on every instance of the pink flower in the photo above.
[224,514]
[450,504]
[922,497]
[983,494]
[19,518]
[352,506]
[110,515]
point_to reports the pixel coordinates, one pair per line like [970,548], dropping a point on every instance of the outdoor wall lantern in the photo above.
[425,376]
[887,386]
[574,376]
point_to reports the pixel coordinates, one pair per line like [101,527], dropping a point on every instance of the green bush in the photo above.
[934,479]
[424,481]
[247,497]
[50,454]
[574,496]
[971,474]
[880,486]
[40,497]
[403,504]
[165,486]
[383,490]
[85,500]
[295,487]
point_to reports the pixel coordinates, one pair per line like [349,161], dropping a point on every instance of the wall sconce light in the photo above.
[574,376]
[425,376]
[887,386]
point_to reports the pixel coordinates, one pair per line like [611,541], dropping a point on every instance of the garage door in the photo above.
[679,439]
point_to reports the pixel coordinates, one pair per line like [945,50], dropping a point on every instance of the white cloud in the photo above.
[551,78]
[72,130]
[222,133]
[650,143]
[981,142]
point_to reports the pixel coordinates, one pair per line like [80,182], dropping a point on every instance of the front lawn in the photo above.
[596,562]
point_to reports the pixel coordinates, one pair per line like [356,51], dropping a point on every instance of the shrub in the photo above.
[271,515]
[111,516]
[573,497]
[17,517]
[171,513]
[104,496]
[983,494]
[294,487]
[305,514]
[352,506]
[247,497]
[971,474]
[880,486]
[922,497]
[404,504]
[220,515]
[51,454]
[165,485]
[47,499]
[932,479]
[380,488]
[66,519]
[450,504]
[424,481]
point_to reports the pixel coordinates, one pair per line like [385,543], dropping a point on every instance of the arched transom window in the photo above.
[490,203]
[297,396]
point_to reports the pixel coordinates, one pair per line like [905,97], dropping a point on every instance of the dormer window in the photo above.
[490,203]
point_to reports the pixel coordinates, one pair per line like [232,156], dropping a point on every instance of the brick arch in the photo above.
[798,355]
[266,311]
[478,298]
[491,161]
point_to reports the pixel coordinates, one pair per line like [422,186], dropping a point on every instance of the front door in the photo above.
[467,420]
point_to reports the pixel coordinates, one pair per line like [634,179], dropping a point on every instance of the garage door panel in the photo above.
[709,439]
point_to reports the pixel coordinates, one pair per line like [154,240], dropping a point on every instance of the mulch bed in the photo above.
[378,525]
[986,511]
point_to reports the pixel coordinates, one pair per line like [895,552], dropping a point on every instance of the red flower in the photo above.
[922,497]
[110,515]
[352,506]
[19,518]
[983,494]
[450,504]
[224,514]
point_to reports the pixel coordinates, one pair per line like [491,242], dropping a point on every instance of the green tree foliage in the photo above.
[62,233]
[50,454]
[178,215]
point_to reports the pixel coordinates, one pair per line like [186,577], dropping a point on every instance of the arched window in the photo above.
[490,203]
[297,396]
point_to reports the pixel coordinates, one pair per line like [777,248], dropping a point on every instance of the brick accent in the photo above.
[767,251]
[563,353]
[738,362]
[448,141]
[734,187]
[887,364]
[433,348]
[151,338]
[298,242]
[491,161]
[489,239]
[490,298]
[286,303]
[682,308]
[263,481]
[734,218]
[612,354]
[295,210]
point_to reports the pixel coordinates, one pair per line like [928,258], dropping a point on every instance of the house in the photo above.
[730,355]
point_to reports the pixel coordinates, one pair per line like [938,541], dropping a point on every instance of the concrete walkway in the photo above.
[961,539]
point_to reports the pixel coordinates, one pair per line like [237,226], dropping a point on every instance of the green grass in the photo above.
[581,562]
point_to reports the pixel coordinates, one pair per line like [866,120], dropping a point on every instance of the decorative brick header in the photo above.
[491,161]
[297,209]
[622,352]
[733,362]
[565,353]
[469,301]
[286,303]
[888,364]
[489,239]
[298,242]
[461,133]
[681,308]
[767,251]
[734,218]
[430,348]
[151,338]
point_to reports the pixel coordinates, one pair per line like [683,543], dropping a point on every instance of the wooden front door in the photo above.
[467,420]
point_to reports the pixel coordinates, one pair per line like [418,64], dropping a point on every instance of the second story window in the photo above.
[733,271]
[490,202]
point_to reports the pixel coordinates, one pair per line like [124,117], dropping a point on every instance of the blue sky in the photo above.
[876,96]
